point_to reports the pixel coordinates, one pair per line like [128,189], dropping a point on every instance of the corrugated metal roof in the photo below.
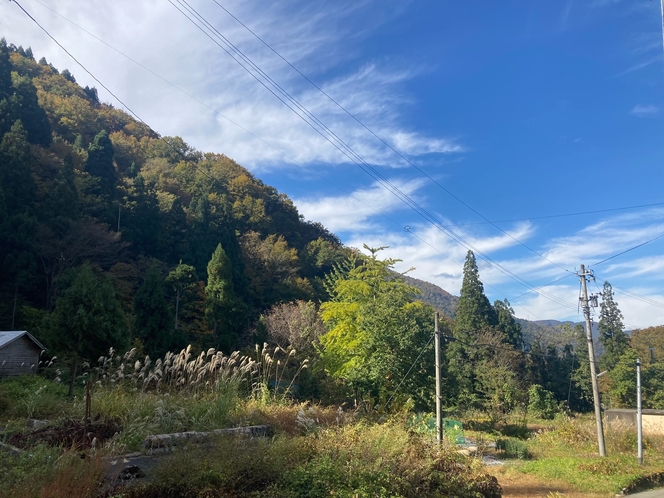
[11,336]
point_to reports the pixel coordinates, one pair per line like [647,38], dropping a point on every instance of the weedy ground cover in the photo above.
[562,455]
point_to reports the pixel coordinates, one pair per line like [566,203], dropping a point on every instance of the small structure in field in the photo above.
[653,420]
[19,353]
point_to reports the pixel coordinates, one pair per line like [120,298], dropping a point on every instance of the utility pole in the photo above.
[591,355]
[439,397]
[639,413]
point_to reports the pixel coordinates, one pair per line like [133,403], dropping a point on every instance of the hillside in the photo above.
[437,297]
[82,181]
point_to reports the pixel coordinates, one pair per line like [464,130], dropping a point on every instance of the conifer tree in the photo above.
[29,112]
[152,318]
[474,315]
[220,298]
[6,89]
[182,279]
[100,163]
[611,333]
[15,170]
[507,324]
[61,205]
[88,320]
[474,311]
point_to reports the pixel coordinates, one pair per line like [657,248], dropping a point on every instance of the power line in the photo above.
[628,250]
[409,370]
[561,215]
[161,138]
[388,144]
[329,135]
[110,92]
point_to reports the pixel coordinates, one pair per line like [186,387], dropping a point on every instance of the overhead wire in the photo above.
[455,237]
[387,144]
[410,369]
[210,31]
[579,213]
[628,250]
[129,109]
[408,229]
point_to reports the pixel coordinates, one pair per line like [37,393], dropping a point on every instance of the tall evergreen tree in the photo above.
[507,324]
[183,278]
[474,315]
[16,170]
[152,317]
[6,89]
[474,311]
[611,333]
[28,110]
[88,320]
[61,205]
[220,299]
[141,218]
[100,163]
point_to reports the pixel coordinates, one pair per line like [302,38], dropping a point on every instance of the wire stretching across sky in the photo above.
[305,115]
[408,229]
[387,144]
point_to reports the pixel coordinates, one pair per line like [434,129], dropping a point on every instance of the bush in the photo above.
[541,403]
[513,448]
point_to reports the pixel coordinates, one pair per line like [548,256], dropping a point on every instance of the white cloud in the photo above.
[316,37]
[353,212]
[644,110]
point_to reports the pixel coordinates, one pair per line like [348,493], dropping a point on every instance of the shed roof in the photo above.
[11,336]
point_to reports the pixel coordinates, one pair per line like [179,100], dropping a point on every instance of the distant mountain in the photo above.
[546,332]
[437,297]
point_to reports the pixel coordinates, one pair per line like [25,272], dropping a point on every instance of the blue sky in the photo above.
[520,109]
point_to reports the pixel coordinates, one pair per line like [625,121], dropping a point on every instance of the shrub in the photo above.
[541,403]
[513,448]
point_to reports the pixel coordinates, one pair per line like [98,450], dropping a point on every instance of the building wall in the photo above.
[19,357]
[652,420]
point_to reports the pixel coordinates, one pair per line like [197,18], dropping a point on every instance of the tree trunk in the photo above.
[177,307]
[73,369]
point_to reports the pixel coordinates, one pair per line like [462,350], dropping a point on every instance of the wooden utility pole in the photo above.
[639,414]
[591,355]
[439,397]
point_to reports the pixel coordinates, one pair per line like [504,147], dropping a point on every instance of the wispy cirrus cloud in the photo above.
[644,111]
[359,210]
[159,37]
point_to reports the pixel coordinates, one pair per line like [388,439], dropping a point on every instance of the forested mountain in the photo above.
[184,237]
[436,296]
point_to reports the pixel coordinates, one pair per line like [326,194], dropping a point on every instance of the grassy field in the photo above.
[316,450]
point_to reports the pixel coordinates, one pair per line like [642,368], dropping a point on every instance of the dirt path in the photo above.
[518,485]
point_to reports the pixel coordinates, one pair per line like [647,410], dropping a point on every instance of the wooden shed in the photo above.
[19,353]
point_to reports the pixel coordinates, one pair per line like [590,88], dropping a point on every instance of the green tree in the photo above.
[376,332]
[28,110]
[61,205]
[16,170]
[141,217]
[474,311]
[474,316]
[100,163]
[6,89]
[508,325]
[152,317]
[221,304]
[87,320]
[611,333]
[182,279]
